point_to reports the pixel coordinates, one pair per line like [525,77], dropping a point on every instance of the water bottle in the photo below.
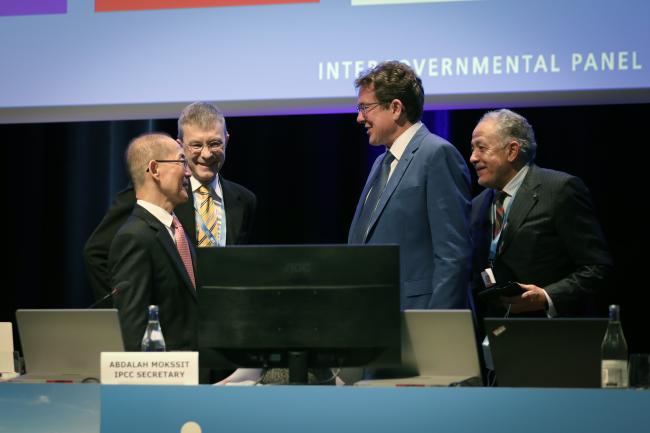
[614,373]
[153,340]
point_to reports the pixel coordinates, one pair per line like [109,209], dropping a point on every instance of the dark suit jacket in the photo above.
[551,239]
[425,210]
[144,254]
[240,208]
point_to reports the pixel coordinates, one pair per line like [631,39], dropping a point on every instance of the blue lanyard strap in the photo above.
[203,228]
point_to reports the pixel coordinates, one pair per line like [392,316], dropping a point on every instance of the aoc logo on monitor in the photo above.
[33,7]
[138,5]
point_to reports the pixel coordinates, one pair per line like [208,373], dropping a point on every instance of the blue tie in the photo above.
[378,185]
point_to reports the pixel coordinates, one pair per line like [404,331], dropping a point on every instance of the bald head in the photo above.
[145,148]
[159,170]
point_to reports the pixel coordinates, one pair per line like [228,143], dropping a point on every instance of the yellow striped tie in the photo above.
[207,212]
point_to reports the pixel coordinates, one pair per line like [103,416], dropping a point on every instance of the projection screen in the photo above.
[121,59]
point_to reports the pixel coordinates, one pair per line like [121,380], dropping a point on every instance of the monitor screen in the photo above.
[308,306]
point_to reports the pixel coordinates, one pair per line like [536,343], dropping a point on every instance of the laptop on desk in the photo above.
[65,345]
[440,346]
[557,353]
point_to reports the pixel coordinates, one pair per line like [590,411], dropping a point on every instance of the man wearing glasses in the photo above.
[417,194]
[218,212]
[150,256]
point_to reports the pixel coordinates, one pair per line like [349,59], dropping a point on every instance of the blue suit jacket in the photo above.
[425,210]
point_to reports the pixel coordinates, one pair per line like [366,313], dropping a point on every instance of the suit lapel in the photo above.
[163,237]
[170,249]
[397,175]
[525,199]
[482,228]
[185,214]
[362,199]
[233,210]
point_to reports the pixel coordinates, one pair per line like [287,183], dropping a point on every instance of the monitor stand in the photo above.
[298,368]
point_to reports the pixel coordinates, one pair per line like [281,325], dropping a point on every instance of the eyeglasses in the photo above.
[211,145]
[365,108]
[177,161]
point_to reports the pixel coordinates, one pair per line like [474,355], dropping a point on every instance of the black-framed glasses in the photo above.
[365,108]
[177,161]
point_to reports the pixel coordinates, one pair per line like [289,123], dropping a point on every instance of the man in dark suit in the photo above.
[150,252]
[417,194]
[203,134]
[541,232]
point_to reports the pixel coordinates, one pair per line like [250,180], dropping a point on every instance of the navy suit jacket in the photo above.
[144,254]
[425,210]
[551,239]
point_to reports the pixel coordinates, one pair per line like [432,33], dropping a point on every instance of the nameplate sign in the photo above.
[150,368]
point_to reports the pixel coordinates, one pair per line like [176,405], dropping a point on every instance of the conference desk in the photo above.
[66,408]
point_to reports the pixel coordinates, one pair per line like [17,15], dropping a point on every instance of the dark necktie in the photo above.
[499,211]
[372,200]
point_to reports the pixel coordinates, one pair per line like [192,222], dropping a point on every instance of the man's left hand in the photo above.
[533,299]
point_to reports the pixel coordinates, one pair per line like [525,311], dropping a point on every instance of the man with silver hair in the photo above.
[225,219]
[532,226]
[218,212]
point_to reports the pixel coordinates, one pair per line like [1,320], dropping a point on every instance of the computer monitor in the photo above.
[300,306]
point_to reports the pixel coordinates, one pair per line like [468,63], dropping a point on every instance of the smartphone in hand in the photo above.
[507,289]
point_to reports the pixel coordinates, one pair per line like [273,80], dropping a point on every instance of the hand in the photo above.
[242,375]
[533,299]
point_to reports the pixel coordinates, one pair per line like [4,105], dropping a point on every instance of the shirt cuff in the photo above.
[550,309]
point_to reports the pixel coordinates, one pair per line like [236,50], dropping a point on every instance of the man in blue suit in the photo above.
[417,194]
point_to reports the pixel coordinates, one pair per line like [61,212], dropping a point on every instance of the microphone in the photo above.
[119,287]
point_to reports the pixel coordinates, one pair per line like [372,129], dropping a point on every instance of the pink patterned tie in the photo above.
[183,248]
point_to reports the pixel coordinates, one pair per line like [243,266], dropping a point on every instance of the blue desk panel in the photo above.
[49,408]
[329,409]
[63,408]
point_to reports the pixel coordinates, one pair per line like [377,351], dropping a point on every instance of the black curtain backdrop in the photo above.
[307,172]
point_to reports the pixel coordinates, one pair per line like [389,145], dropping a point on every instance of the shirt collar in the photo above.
[159,213]
[512,187]
[399,145]
[214,185]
